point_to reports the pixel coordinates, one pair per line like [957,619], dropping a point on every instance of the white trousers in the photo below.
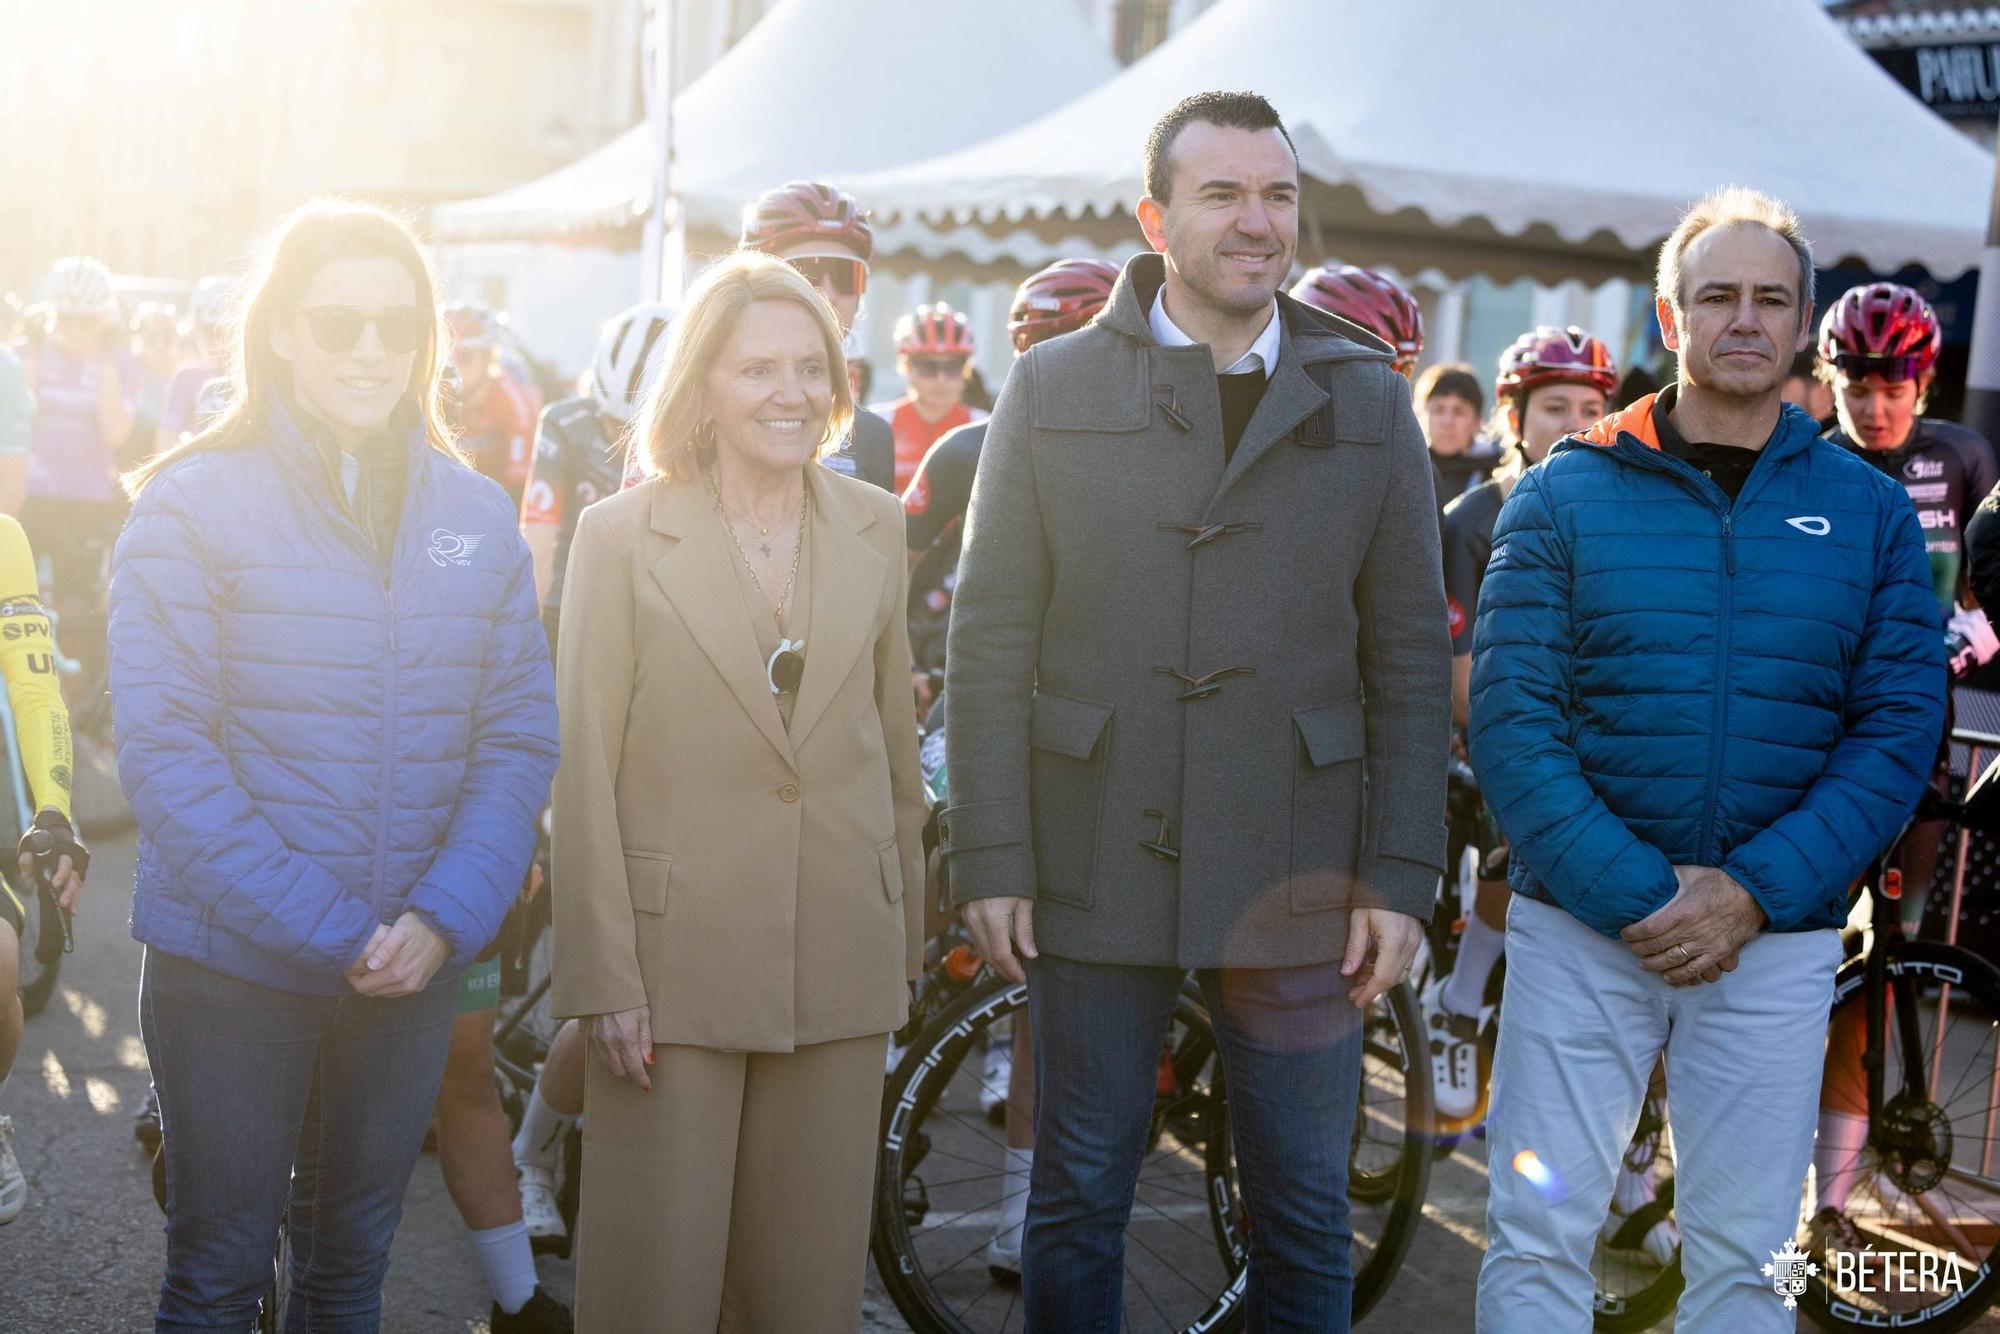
[1581,1025]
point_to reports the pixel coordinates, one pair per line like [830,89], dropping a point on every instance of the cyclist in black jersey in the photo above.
[1878,347]
[579,450]
[1061,298]
[1552,383]
[822,232]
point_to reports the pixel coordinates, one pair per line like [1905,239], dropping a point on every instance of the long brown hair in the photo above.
[312,237]
[670,434]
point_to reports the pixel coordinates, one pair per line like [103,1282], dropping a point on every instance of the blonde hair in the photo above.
[1721,208]
[310,238]
[671,432]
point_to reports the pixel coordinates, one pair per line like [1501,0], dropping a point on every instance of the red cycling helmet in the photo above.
[935,330]
[1365,297]
[1548,355]
[1058,300]
[800,211]
[1880,329]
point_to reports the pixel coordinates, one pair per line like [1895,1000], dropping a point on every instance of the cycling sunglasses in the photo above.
[1854,366]
[933,366]
[338,328]
[849,277]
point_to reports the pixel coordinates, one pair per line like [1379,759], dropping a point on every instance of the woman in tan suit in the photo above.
[738,825]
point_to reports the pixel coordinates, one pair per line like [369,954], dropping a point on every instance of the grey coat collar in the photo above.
[1311,335]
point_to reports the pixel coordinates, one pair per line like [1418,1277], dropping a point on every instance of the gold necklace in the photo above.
[798,547]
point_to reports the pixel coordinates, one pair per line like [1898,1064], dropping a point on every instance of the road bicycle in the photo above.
[942,1183]
[46,934]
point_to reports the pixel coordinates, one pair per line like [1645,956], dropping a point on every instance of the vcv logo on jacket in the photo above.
[449,548]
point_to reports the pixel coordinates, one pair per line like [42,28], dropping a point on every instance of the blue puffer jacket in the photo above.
[1660,677]
[314,741]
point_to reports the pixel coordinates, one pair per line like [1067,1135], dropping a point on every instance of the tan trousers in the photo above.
[735,1196]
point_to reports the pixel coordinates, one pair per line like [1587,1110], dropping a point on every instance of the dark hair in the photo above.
[1453,380]
[311,237]
[1230,111]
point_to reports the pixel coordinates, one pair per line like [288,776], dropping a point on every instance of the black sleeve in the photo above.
[1467,544]
[1982,551]
[942,486]
[874,446]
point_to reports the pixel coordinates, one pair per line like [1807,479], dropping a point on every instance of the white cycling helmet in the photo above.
[213,304]
[80,285]
[627,357]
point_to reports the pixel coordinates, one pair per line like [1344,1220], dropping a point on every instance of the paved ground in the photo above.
[86,1256]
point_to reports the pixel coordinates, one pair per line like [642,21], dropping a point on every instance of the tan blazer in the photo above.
[759,889]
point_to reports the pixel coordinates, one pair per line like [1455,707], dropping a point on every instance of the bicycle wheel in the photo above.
[1636,1288]
[1925,1194]
[941,1185]
[41,950]
[1389,1166]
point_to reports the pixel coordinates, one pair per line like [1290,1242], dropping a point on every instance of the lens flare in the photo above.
[1529,1164]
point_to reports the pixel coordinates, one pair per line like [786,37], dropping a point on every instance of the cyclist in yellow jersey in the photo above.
[41,724]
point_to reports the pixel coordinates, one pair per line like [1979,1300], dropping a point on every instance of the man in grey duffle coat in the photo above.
[1198,692]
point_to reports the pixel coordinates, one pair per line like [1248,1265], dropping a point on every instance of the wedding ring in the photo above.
[1685,956]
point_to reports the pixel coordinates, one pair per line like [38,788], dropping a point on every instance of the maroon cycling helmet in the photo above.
[800,211]
[935,330]
[1880,329]
[1061,298]
[1548,355]
[1364,297]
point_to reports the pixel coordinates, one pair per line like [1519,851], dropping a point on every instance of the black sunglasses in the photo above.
[849,277]
[933,366]
[338,328]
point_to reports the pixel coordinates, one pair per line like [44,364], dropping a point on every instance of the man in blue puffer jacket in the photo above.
[1707,686]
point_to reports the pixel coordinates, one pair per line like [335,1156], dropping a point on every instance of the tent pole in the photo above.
[664,244]
[1982,378]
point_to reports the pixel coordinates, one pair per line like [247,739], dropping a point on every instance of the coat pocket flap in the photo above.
[646,875]
[1066,726]
[1333,733]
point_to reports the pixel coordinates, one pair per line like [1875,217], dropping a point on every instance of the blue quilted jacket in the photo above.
[1660,677]
[315,740]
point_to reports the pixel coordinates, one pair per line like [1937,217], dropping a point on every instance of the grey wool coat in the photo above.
[1195,713]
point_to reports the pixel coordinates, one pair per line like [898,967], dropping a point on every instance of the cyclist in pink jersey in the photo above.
[85,381]
[207,330]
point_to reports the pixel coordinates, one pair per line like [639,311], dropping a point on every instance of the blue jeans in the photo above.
[263,1094]
[1290,1044]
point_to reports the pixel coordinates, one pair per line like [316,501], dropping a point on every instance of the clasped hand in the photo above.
[399,960]
[1696,937]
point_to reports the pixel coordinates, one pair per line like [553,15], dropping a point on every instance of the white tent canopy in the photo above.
[1546,138]
[817,87]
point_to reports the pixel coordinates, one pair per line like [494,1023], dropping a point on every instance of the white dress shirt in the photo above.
[1263,354]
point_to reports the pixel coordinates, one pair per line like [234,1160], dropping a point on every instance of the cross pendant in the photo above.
[765,547]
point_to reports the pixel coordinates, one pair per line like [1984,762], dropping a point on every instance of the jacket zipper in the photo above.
[1701,487]
[384,803]
[1728,608]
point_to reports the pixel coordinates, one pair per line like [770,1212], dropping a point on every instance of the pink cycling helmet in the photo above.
[1548,355]
[1364,297]
[1880,329]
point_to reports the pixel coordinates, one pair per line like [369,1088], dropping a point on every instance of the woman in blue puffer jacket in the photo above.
[336,724]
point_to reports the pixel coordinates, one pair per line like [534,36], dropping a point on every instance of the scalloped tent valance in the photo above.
[1545,138]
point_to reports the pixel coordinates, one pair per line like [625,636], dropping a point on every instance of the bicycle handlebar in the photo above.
[41,845]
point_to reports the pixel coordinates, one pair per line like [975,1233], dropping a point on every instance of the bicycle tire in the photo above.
[1394,1056]
[1926,963]
[37,980]
[923,1078]
[1653,1302]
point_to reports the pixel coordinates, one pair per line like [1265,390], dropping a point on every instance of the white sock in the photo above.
[539,1141]
[509,1261]
[1633,1191]
[1837,1156]
[1478,950]
[1014,1208]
